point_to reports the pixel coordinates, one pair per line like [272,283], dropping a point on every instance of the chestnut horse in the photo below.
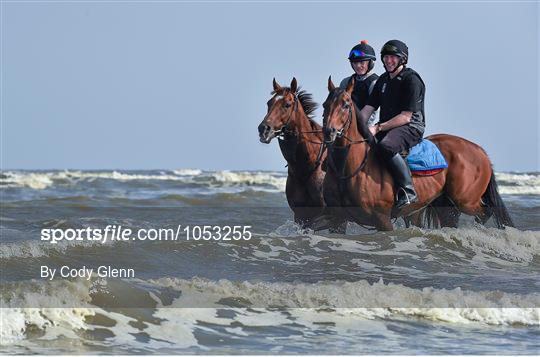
[289,118]
[359,186]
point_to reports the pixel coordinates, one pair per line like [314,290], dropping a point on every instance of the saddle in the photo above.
[425,159]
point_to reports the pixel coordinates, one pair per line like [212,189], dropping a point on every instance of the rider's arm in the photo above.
[402,118]
[365,113]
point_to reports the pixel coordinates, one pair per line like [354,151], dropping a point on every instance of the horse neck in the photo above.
[308,143]
[357,151]
[352,132]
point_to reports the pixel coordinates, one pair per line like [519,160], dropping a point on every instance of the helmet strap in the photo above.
[371,65]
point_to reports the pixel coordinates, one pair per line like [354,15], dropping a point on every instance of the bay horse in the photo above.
[359,187]
[290,119]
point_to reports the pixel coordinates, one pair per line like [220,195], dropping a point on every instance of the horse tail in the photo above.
[494,204]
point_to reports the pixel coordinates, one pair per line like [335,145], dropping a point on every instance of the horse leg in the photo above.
[338,226]
[445,211]
[327,219]
[382,222]
[300,218]
[470,183]
[423,218]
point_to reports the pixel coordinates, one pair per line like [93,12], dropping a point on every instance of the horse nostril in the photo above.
[263,128]
[328,130]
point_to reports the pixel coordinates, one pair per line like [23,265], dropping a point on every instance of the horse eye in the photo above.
[346,105]
[287,105]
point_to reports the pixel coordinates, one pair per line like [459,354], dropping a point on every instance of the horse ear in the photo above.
[350,85]
[277,87]
[331,85]
[294,85]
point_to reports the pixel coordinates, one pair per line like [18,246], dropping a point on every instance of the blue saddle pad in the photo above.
[426,156]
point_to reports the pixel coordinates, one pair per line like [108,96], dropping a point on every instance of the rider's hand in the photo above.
[373,129]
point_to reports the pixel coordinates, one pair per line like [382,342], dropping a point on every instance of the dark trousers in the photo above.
[396,140]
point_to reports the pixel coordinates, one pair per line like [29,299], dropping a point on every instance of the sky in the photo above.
[170,85]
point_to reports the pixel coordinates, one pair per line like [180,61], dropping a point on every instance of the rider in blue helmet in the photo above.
[362,59]
[399,93]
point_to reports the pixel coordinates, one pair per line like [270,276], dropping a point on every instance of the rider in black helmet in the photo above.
[362,58]
[400,95]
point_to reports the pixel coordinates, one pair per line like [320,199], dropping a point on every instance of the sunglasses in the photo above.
[356,53]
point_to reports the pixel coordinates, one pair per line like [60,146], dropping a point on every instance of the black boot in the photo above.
[402,176]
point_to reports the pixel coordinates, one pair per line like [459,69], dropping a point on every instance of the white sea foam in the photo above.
[42,180]
[368,300]
[518,184]
[37,181]
[63,319]
[306,305]
[251,178]
[35,249]
[188,172]
[510,243]
[509,183]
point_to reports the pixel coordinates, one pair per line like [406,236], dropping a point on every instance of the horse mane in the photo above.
[306,100]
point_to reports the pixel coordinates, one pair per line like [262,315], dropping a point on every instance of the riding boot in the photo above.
[402,177]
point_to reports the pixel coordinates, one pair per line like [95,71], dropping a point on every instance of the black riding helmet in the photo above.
[397,48]
[363,52]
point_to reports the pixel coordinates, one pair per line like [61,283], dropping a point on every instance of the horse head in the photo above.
[339,116]
[338,111]
[281,108]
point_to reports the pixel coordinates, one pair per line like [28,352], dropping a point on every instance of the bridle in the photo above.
[284,130]
[345,128]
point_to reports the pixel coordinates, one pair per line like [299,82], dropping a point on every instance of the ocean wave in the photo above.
[509,183]
[509,244]
[42,180]
[37,249]
[518,183]
[63,318]
[79,309]
[372,300]
[187,172]
[37,181]
[485,243]
[251,178]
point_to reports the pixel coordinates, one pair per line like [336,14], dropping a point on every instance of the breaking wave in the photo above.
[274,181]
[291,303]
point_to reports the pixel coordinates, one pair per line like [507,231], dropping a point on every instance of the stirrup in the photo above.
[400,204]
